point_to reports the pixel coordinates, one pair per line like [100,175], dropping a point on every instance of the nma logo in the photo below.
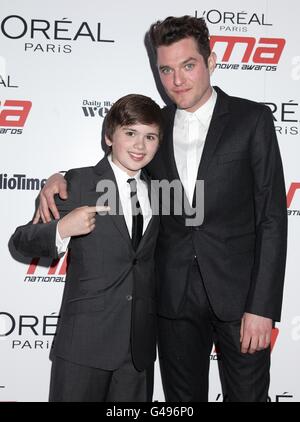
[13,114]
[261,52]
[290,197]
[56,271]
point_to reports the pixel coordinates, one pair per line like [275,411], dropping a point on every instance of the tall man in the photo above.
[223,278]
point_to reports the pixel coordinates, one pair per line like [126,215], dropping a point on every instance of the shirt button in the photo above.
[129,297]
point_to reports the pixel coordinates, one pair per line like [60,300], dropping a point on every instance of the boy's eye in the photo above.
[129,133]
[151,137]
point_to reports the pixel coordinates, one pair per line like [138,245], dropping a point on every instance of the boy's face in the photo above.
[184,74]
[133,146]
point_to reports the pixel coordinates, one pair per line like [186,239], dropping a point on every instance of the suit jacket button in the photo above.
[129,297]
[134,262]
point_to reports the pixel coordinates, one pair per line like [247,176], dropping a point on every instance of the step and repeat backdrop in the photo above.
[62,65]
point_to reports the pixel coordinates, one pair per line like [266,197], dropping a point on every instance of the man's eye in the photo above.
[129,133]
[166,70]
[151,138]
[189,66]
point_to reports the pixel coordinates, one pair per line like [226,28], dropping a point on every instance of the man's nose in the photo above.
[178,77]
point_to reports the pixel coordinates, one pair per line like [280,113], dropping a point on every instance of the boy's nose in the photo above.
[139,144]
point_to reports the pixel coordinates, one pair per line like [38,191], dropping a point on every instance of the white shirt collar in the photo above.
[120,174]
[203,113]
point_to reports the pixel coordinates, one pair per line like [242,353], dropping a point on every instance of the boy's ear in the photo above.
[108,141]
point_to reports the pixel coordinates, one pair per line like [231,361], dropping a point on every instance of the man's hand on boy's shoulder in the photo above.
[56,184]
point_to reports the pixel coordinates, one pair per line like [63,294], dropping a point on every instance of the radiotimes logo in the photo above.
[216,353]
[20,182]
[291,199]
[95,108]
[45,271]
[13,116]
[286,117]
[28,331]
[55,36]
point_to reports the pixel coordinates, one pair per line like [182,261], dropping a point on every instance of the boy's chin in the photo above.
[138,166]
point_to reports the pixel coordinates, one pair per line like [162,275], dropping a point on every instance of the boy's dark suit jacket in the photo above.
[109,297]
[241,245]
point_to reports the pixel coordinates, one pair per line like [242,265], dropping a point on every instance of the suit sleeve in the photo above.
[38,240]
[265,295]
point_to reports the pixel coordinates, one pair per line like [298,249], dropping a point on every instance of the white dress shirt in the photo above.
[189,134]
[124,192]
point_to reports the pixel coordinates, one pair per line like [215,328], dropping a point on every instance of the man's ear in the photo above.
[108,141]
[212,61]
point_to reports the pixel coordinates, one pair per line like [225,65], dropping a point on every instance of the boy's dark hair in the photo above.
[174,29]
[132,109]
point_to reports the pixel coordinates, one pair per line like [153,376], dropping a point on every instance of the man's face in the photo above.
[184,74]
[133,146]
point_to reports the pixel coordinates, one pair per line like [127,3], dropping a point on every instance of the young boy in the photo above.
[105,344]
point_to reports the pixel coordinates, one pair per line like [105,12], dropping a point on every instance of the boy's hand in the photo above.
[79,221]
[55,184]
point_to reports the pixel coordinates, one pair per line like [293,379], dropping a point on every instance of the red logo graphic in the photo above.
[265,50]
[274,336]
[14,113]
[291,192]
[54,266]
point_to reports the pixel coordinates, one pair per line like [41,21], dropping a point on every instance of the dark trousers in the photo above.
[185,345]
[76,383]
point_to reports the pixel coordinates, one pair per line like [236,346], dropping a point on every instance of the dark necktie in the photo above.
[137,216]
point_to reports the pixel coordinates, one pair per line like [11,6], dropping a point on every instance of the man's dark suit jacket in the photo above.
[108,302]
[241,245]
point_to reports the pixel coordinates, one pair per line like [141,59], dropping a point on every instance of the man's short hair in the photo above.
[174,29]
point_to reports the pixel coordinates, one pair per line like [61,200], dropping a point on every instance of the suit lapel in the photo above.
[168,146]
[217,125]
[153,204]
[104,170]
[147,233]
